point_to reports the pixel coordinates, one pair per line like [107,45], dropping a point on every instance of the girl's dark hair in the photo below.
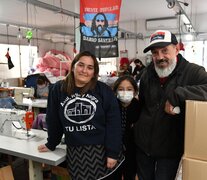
[128,78]
[69,82]
[42,80]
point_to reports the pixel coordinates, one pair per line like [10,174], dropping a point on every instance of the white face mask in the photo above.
[125,96]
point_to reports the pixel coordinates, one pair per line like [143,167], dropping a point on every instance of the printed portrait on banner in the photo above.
[99,27]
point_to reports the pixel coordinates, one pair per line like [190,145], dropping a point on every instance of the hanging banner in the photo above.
[99,27]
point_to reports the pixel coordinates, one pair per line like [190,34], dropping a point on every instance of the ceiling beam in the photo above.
[25,26]
[51,8]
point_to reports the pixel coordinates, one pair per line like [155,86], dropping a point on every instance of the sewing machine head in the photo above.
[21,92]
[9,116]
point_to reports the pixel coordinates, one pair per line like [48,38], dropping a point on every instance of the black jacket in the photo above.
[156,132]
[131,118]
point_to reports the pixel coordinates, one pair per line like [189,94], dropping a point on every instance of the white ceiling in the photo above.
[147,9]
[16,12]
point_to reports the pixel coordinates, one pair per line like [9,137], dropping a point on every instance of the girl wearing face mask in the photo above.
[126,89]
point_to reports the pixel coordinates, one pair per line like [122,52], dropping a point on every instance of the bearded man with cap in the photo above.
[165,85]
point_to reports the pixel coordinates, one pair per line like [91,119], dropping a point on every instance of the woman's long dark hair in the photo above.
[69,81]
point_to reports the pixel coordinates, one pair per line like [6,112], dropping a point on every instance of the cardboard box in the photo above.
[196,130]
[6,173]
[194,169]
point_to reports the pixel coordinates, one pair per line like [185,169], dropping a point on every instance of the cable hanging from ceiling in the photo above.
[29,32]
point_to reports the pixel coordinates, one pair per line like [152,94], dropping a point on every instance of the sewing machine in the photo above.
[8,117]
[21,92]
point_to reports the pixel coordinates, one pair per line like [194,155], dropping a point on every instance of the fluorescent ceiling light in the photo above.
[185,19]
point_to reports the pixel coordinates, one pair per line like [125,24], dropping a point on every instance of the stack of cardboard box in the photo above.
[195,153]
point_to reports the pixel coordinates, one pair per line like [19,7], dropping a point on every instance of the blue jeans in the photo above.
[152,168]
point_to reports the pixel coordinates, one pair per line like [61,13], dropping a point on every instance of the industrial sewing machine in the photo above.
[21,92]
[8,117]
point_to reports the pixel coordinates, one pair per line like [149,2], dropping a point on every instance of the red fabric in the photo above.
[124,60]
[94,6]
[181,45]
[163,80]
[7,55]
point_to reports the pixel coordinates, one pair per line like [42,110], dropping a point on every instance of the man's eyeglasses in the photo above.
[100,20]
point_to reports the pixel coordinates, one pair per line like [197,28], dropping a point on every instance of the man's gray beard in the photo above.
[166,71]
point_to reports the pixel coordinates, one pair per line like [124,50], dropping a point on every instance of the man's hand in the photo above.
[169,108]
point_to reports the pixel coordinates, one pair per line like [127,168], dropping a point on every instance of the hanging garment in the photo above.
[10,64]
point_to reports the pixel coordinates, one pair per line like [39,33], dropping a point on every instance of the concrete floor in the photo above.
[20,168]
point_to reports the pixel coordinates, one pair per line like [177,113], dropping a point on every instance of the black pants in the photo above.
[116,175]
[151,168]
[129,165]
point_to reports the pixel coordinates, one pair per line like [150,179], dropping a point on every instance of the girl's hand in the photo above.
[111,162]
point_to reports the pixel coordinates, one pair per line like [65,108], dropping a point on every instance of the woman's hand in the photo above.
[42,148]
[111,162]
